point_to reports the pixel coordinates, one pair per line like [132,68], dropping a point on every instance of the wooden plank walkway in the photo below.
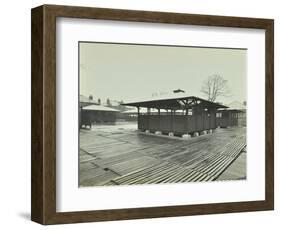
[125,157]
[237,170]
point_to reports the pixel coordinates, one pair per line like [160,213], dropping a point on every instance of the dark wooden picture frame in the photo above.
[43,189]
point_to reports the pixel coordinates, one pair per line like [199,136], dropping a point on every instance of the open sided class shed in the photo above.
[98,114]
[197,115]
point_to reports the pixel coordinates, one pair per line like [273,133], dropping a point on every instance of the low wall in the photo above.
[178,124]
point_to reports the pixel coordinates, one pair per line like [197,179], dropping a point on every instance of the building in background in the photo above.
[91,112]
[98,114]
[234,115]
[83,102]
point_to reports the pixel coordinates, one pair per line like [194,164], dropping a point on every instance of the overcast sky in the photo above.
[132,72]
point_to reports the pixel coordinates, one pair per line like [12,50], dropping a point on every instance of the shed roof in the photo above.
[99,108]
[231,109]
[175,101]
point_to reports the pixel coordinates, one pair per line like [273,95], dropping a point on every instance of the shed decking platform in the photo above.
[123,157]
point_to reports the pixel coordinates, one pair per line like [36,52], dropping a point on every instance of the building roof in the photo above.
[99,108]
[174,101]
[85,101]
[235,106]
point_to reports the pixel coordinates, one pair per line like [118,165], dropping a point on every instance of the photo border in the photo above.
[43,120]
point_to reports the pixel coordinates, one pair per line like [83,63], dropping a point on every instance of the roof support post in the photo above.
[138,117]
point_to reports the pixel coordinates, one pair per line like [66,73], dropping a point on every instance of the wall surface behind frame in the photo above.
[15,113]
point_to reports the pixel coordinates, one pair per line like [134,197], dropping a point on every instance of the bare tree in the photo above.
[214,87]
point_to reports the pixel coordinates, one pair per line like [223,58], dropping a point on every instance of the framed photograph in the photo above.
[139,114]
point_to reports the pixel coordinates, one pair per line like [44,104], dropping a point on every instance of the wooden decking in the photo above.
[123,157]
[237,170]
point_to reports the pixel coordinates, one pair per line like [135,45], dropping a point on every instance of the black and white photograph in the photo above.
[141,113]
[154,114]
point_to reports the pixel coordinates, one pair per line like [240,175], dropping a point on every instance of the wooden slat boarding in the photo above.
[123,157]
